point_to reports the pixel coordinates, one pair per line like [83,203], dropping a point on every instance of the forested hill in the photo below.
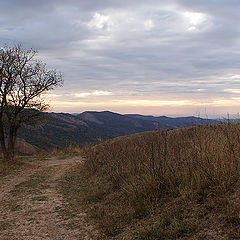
[174,123]
[61,129]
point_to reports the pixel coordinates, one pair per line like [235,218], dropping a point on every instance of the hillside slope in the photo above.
[174,123]
[167,185]
[61,129]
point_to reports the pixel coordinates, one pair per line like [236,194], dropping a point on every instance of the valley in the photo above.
[59,130]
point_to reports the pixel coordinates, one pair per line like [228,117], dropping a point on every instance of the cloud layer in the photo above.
[134,55]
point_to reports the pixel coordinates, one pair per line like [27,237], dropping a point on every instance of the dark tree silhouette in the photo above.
[23,81]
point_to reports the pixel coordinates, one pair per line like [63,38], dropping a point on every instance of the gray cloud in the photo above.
[184,49]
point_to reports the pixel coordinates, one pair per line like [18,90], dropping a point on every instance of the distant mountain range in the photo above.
[58,130]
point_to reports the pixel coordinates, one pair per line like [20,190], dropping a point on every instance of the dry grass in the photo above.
[68,150]
[180,184]
[9,168]
[186,162]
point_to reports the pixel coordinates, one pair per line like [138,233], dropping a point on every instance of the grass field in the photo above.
[178,184]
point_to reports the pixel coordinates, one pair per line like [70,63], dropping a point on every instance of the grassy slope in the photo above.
[180,184]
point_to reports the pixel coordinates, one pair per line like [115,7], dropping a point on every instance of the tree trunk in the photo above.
[3,144]
[11,144]
[10,156]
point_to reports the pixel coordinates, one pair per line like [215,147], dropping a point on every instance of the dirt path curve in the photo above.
[30,204]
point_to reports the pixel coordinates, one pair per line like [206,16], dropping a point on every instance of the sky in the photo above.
[157,57]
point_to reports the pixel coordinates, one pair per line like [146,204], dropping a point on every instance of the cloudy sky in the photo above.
[159,57]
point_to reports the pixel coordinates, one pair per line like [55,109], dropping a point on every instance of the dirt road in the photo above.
[31,205]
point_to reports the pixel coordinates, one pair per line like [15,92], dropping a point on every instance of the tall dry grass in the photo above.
[69,150]
[177,184]
[191,162]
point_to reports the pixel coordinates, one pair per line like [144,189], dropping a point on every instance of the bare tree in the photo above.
[23,80]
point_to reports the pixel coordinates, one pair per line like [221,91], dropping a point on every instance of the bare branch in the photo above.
[23,79]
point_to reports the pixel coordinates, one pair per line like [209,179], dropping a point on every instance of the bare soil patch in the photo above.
[31,206]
